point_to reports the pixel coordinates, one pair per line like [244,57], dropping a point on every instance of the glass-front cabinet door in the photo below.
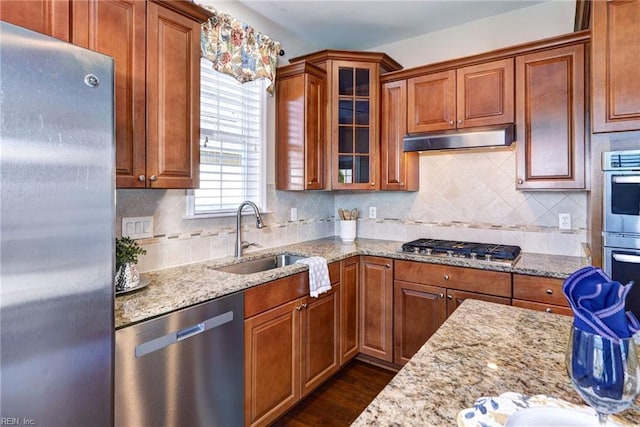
[355,134]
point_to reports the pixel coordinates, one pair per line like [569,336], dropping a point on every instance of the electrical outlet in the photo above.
[564,221]
[373,212]
[137,227]
[294,214]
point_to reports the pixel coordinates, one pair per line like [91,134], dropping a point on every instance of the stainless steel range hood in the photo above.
[489,136]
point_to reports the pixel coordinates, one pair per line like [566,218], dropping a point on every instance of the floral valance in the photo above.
[237,49]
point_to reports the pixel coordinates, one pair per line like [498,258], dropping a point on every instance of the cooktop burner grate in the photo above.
[471,250]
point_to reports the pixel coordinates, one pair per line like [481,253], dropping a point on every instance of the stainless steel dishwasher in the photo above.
[184,368]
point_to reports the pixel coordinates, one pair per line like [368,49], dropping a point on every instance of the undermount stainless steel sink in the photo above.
[261,264]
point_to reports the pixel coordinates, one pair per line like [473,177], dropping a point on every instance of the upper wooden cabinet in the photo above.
[550,120]
[50,17]
[173,95]
[118,29]
[353,106]
[477,95]
[398,170]
[156,48]
[300,127]
[615,56]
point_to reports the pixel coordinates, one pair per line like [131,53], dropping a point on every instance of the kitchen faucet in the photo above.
[259,224]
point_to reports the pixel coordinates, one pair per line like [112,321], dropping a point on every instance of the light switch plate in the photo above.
[137,227]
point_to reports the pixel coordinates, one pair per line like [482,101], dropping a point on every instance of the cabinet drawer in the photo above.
[462,278]
[264,297]
[549,308]
[539,289]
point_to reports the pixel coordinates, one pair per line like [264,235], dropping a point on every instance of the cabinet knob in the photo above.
[142,178]
[305,305]
[372,184]
[309,183]
[520,181]
[402,184]
[449,296]
[446,277]
[549,291]
[459,122]
[153,178]
[298,308]
[388,265]
[548,310]
[451,122]
[441,295]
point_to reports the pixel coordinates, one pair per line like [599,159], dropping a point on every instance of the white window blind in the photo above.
[231,143]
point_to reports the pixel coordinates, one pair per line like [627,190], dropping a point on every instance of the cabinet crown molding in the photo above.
[387,64]
[503,53]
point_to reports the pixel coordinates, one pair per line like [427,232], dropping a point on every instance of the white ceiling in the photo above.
[366,24]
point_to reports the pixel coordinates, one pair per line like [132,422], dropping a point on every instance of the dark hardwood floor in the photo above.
[340,400]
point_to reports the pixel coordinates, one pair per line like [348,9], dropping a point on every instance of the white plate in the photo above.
[551,417]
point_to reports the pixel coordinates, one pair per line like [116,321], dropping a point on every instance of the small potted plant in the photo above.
[127,252]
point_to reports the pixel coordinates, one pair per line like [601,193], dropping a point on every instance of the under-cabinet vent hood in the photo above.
[489,136]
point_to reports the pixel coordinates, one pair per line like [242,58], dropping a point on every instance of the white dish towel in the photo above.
[319,282]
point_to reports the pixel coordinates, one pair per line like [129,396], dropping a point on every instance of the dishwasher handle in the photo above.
[173,337]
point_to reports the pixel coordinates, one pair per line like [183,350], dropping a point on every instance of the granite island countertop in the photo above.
[482,349]
[175,288]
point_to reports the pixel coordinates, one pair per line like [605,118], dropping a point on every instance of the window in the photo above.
[232,148]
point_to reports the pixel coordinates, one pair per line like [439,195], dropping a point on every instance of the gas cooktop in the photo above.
[469,250]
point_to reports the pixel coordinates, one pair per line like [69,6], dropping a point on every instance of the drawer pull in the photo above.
[549,291]
[446,277]
[449,296]
[441,295]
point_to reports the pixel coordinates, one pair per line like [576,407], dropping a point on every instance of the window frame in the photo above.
[262,192]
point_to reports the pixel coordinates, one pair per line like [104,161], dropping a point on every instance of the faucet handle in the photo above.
[246,244]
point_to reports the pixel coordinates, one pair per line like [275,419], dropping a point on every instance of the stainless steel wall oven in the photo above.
[621,220]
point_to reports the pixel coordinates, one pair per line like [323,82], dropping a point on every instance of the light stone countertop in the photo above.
[175,288]
[451,370]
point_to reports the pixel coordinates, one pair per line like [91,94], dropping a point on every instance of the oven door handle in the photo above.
[632,259]
[633,179]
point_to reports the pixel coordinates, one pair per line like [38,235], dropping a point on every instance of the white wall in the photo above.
[536,22]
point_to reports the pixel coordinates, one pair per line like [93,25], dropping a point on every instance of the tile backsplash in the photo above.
[464,195]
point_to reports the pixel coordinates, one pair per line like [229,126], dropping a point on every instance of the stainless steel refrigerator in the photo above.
[57,232]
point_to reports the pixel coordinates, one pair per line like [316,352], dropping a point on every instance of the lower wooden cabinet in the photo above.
[426,294]
[319,338]
[455,298]
[419,310]
[290,348]
[376,307]
[540,293]
[272,363]
[350,309]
